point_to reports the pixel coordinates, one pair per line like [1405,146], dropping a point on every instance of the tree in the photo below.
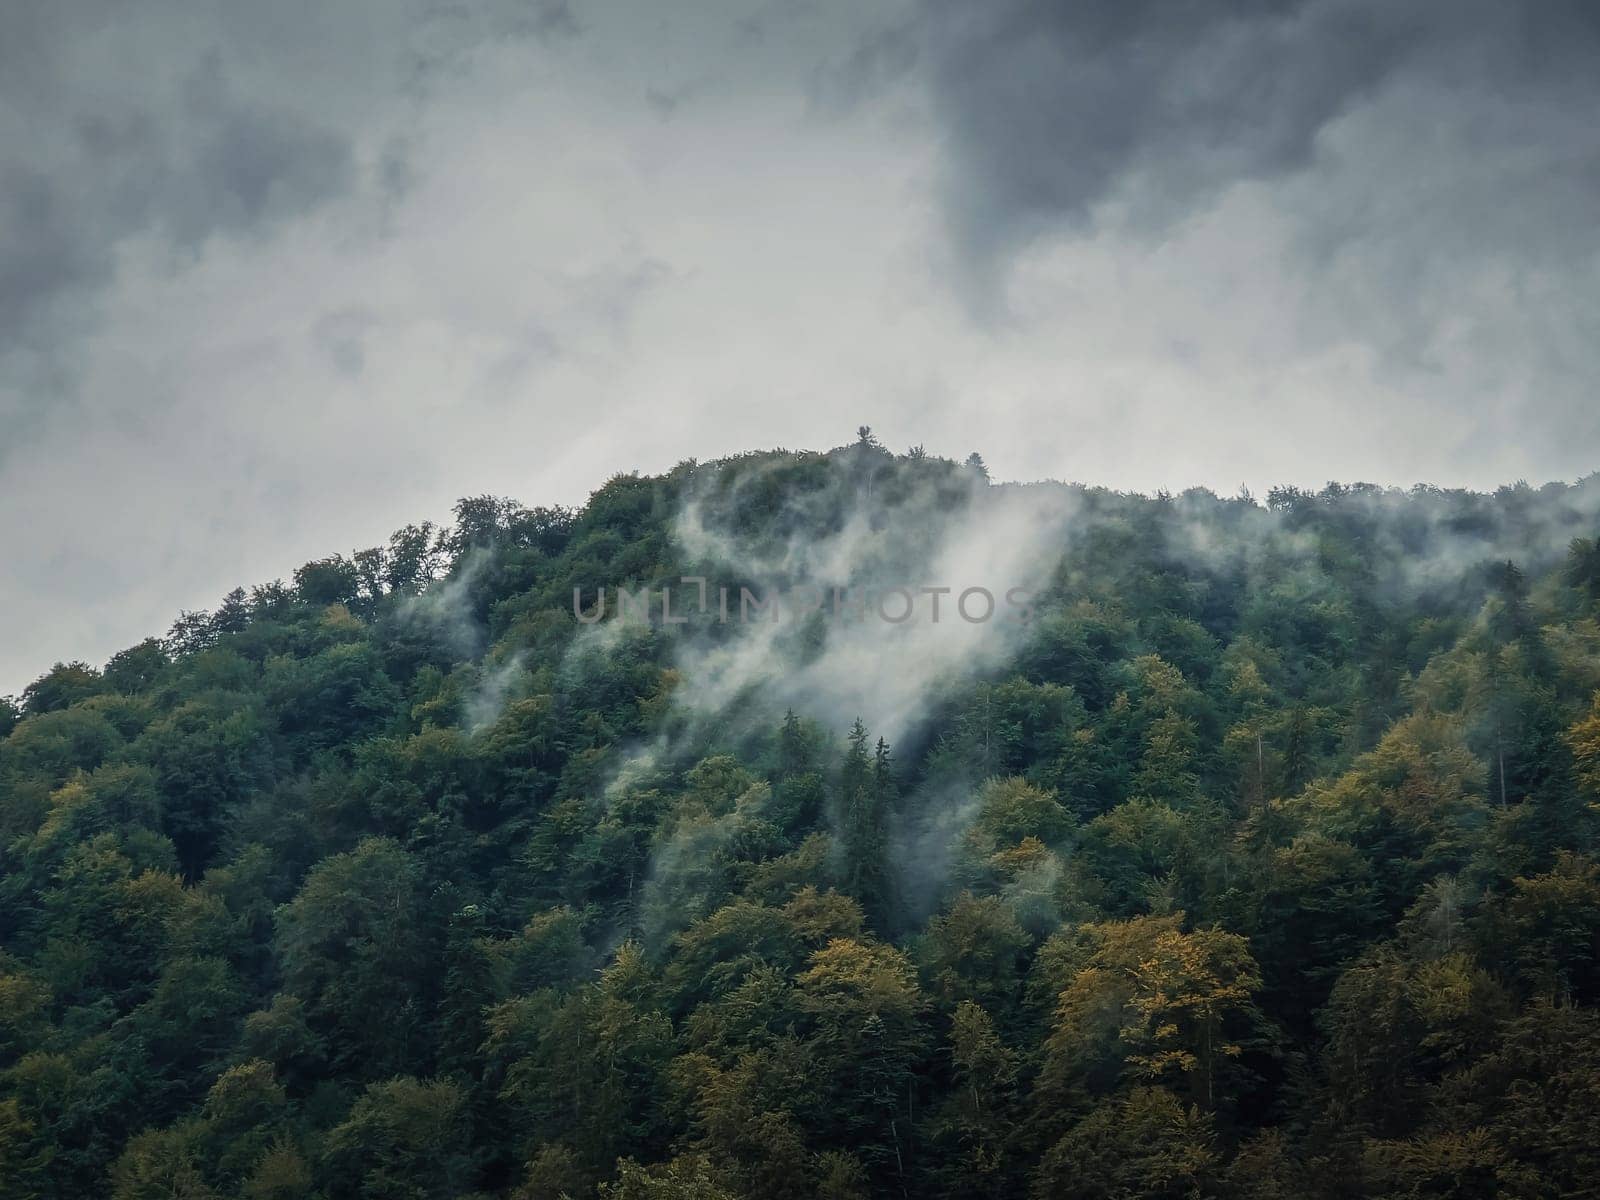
[469,988]
[866,1035]
[1010,810]
[412,559]
[1583,739]
[1524,1112]
[481,521]
[403,1140]
[332,580]
[978,1116]
[191,1019]
[587,1069]
[159,1163]
[682,1179]
[24,1162]
[134,670]
[1583,567]
[208,755]
[974,953]
[1155,1004]
[1146,1145]
[245,1119]
[1548,927]
[233,614]
[337,695]
[356,949]
[64,685]
[865,787]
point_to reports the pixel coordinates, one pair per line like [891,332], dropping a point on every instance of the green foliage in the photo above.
[63,686]
[1261,862]
[355,946]
[1146,1145]
[404,1139]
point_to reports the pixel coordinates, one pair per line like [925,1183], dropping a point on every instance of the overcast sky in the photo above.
[278,278]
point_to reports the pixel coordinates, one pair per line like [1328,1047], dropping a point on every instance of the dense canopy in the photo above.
[1259,860]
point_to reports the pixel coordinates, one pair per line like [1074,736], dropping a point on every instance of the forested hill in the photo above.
[1247,850]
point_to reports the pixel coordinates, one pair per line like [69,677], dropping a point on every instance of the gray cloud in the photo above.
[180,154]
[251,165]
[1054,109]
[1416,186]
[278,278]
[169,125]
[1056,113]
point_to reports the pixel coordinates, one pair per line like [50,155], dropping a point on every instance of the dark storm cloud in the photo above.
[97,150]
[169,125]
[1054,113]
[250,165]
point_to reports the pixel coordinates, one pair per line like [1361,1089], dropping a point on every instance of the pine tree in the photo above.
[796,753]
[864,785]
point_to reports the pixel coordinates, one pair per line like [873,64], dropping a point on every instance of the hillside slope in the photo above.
[1242,849]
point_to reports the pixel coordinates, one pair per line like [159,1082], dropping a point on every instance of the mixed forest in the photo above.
[1261,860]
